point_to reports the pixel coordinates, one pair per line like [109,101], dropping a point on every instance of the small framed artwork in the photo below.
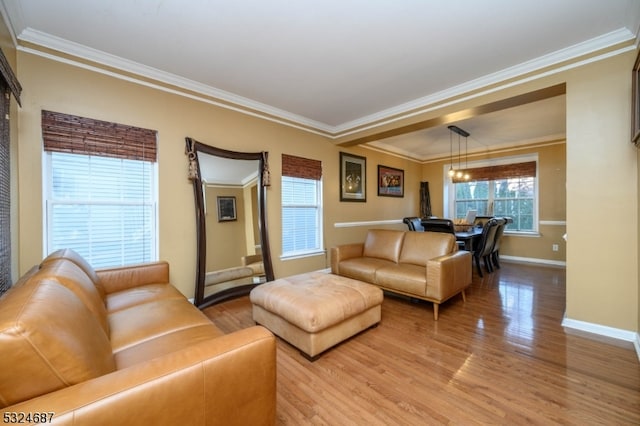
[353,177]
[390,182]
[635,103]
[226,209]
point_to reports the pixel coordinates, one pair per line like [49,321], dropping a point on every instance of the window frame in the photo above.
[319,221]
[450,195]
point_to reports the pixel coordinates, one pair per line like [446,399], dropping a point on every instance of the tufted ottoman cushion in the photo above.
[316,310]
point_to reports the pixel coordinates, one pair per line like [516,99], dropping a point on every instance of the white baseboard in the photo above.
[603,330]
[534,260]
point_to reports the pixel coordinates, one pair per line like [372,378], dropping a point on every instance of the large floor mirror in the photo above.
[232,238]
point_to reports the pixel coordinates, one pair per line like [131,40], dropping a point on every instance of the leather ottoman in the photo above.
[316,310]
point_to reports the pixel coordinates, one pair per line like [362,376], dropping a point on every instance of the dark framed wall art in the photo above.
[390,182]
[227,209]
[353,177]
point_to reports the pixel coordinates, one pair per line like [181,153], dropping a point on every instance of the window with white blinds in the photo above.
[301,206]
[103,208]
[100,189]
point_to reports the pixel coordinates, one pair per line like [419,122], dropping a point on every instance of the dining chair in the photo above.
[481,220]
[495,251]
[483,250]
[414,223]
[439,225]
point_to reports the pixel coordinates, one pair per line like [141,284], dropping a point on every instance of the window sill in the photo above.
[300,255]
[530,234]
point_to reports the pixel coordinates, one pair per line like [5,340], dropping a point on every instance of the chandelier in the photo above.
[459,173]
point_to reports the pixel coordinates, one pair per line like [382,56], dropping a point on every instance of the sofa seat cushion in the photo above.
[363,268]
[406,278]
[138,295]
[141,323]
[166,344]
[48,340]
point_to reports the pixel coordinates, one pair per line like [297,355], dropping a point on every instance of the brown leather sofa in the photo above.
[424,265]
[123,346]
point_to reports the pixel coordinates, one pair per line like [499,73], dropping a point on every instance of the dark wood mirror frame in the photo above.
[194,147]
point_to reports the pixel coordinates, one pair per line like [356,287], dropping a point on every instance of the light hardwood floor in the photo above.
[500,358]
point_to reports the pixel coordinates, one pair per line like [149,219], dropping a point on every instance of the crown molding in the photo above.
[591,50]
[555,59]
[67,47]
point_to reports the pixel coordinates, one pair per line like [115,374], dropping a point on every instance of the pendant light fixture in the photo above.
[460,173]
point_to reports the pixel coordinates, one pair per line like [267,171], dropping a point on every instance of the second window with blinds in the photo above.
[301,206]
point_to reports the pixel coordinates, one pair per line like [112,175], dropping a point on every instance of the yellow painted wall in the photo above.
[60,87]
[601,173]
[602,196]
[551,204]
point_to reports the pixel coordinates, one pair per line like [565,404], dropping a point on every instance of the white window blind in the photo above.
[104,208]
[300,215]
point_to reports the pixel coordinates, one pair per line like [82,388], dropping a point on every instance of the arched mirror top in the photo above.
[233,252]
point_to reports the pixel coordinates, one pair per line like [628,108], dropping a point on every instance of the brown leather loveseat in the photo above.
[123,346]
[424,265]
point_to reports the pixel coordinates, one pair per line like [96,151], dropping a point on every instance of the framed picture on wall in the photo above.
[353,177]
[226,209]
[390,182]
[635,102]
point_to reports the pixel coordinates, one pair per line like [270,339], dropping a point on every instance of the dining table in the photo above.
[470,237]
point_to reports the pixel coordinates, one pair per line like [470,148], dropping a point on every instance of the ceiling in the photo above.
[335,65]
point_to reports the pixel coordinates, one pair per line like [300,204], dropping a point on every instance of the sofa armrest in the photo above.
[228,380]
[448,275]
[125,277]
[344,252]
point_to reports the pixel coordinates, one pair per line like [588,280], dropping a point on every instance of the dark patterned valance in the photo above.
[301,167]
[10,78]
[80,135]
[505,171]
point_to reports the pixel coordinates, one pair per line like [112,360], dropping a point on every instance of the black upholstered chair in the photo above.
[414,223]
[439,225]
[481,220]
[495,251]
[483,250]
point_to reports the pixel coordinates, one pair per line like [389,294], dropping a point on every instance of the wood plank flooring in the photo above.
[500,358]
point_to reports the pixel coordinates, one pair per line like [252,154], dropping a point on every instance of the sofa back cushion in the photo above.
[419,247]
[383,244]
[70,275]
[80,261]
[48,340]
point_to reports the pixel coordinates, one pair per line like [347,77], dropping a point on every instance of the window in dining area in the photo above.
[508,189]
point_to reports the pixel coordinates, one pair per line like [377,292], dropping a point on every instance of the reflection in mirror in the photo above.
[232,239]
